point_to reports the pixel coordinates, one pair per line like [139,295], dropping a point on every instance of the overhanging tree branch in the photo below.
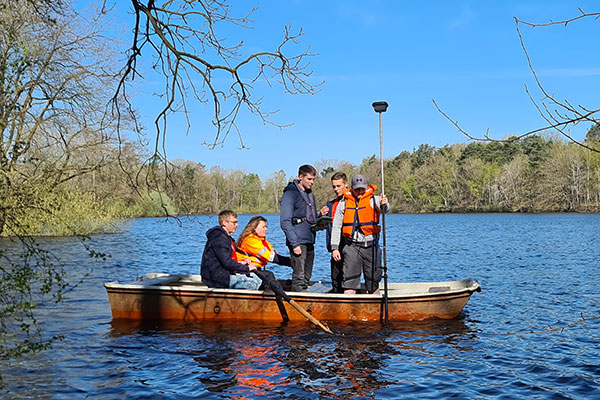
[559,115]
[198,64]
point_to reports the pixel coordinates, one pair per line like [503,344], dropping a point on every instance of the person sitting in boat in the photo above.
[220,267]
[254,246]
[357,221]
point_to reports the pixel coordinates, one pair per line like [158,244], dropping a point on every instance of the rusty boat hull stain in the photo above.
[185,298]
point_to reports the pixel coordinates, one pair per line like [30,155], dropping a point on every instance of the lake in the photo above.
[532,333]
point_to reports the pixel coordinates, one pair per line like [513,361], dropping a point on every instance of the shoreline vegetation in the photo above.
[537,174]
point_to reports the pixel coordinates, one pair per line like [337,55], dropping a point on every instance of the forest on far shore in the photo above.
[533,174]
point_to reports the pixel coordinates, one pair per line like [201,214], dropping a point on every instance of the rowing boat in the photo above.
[162,296]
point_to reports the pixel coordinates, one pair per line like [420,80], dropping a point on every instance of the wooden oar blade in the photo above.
[310,317]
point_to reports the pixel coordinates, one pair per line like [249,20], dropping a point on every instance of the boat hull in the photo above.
[169,297]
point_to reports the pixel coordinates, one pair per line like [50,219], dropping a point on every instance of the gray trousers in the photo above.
[365,260]
[302,266]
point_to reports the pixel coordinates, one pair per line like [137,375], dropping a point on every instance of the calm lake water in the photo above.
[539,273]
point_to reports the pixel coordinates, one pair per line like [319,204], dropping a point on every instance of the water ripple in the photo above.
[522,337]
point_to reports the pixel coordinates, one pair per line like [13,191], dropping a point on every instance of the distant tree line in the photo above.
[534,174]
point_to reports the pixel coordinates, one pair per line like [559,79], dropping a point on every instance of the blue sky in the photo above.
[464,54]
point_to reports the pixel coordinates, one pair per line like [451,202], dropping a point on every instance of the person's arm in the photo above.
[282,260]
[256,247]
[381,203]
[285,218]
[222,248]
[336,230]
[324,210]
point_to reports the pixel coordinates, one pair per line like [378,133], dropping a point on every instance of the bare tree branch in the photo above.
[562,22]
[559,115]
[198,64]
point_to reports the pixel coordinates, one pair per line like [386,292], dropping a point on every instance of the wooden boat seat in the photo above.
[319,287]
[314,287]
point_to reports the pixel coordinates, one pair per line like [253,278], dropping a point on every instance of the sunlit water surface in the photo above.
[539,274]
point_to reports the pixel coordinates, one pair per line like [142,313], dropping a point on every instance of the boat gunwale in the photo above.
[469,286]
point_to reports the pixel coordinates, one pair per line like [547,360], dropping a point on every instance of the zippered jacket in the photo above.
[219,259]
[298,212]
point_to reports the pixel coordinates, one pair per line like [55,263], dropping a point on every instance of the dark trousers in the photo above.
[302,266]
[337,275]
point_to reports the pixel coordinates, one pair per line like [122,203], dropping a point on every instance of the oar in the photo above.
[269,279]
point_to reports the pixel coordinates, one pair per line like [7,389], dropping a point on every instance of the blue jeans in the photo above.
[241,281]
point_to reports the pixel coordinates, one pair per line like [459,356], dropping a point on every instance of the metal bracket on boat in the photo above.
[217,308]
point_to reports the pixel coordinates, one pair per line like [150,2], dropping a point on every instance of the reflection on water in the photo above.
[275,360]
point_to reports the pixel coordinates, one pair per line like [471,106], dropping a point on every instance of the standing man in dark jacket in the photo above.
[220,268]
[298,213]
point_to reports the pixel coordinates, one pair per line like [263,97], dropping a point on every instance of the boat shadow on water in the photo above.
[343,331]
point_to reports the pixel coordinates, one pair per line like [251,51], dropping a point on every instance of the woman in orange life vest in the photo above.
[356,220]
[254,246]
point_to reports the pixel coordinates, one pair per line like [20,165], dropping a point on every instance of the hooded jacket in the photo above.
[218,259]
[296,205]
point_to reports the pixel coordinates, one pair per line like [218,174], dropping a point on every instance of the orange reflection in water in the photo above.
[256,371]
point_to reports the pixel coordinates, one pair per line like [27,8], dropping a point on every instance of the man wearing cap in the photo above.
[356,222]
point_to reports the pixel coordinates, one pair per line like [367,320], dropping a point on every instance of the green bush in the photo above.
[65,212]
[154,204]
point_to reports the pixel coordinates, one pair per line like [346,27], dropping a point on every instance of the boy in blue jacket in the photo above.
[298,213]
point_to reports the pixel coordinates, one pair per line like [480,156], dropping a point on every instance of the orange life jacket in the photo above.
[233,253]
[257,249]
[361,215]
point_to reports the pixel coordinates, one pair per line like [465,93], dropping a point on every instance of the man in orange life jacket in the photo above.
[339,184]
[356,219]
